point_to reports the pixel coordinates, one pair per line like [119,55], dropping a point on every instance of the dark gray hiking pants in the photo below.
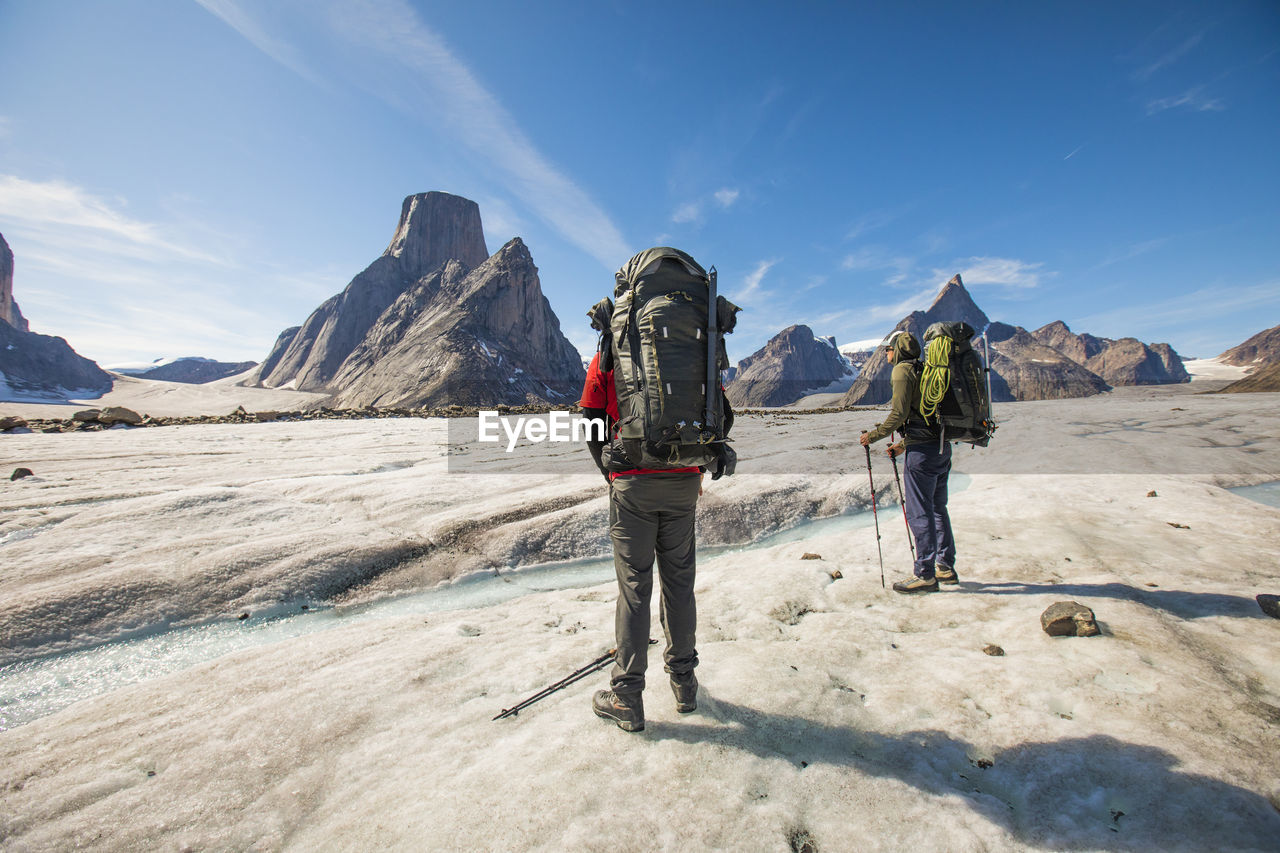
[926,470]
[651,515]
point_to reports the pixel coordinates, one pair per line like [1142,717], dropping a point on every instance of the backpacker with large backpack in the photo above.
[955,391]
[663,339]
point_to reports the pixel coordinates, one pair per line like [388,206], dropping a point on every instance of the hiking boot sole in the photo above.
[916,589]
[625,725]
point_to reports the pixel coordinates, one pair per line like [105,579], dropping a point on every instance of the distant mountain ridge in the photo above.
[433,321]
[791,364]
[1050,363]
[192,370]
[1262,348]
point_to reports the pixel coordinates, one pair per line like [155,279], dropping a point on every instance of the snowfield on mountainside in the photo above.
[351,709]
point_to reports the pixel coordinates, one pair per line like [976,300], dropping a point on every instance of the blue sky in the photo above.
[190,177]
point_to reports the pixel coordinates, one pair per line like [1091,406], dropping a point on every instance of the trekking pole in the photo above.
[902,499]
[874,514]
[577,675]
[595,666]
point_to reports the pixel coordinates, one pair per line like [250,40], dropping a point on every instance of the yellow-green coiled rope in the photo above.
[935,378]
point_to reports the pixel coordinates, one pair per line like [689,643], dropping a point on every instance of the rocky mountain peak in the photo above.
[434,320]
[792,364]
[9,312]
[434,228]
[1262,348]
[954,303]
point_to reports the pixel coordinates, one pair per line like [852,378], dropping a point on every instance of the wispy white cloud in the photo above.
[416,72]
[64,217]
[694,212]
[1193,99]
[252,30]
[1003,272]
[871,221]
[686,213]
[727,196]
[1077,150]
[751,290]
[1170,57]
[1130,252]
[122,288]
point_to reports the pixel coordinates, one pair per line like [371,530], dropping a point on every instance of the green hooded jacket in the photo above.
[906,391]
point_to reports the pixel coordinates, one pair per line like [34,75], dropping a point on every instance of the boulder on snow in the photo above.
[811,556]
[119,415]
[19,473]
[1069,619]
[87,416]
[1270,605]
[11,422]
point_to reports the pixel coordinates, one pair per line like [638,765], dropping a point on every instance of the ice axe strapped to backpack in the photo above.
[954,393]
[663,339]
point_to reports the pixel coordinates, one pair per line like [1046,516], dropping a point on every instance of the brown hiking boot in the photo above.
[914,584]
[685,687]
[946,574]
[628,713]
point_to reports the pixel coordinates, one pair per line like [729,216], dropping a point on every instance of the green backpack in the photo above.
[954,391]
[666,351]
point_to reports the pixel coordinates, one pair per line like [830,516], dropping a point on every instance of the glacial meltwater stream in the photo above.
[35,688]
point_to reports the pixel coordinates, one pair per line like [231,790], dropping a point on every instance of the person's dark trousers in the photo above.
[651,516]
[926,470]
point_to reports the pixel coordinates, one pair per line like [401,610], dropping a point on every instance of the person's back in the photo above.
[652,496]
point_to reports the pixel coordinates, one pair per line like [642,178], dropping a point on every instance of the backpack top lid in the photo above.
[648,260]
[957,330]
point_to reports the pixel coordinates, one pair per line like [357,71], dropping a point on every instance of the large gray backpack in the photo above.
[955,393]
[666,350]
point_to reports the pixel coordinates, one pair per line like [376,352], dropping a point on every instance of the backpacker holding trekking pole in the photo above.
[666,351]
[954,391]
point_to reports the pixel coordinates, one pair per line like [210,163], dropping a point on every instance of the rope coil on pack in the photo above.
[935,378]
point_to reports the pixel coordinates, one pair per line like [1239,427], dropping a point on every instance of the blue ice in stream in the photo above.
[36,688]
[1263,493]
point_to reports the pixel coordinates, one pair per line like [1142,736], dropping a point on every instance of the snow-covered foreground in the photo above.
[833,713]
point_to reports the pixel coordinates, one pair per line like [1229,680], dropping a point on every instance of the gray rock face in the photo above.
[466,337]
[9,312]
[952,303]
[1069,619]
[1126,361]
[194,371]
[434,228]
[793,363]
[433,321]
[1078,348]
[1024,369]
[1262,348]
[45,365]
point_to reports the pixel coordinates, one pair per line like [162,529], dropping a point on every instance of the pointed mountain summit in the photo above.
[953,302]
[433,321]
[792,364]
